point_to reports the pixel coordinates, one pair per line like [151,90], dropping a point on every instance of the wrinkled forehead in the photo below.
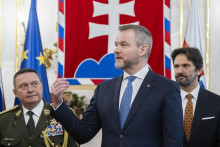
[27,78]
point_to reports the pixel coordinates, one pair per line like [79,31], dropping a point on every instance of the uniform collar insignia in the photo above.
[46,111]
[18,113]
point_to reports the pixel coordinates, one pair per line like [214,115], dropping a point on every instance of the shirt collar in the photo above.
[141,74]
[195,93]
[37,110]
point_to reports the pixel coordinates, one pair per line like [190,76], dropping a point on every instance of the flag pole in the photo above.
[181,23]
[207,44]
[17,37]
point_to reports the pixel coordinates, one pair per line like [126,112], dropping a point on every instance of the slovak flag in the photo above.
[193,37]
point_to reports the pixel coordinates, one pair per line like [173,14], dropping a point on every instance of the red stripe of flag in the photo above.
[61,6]
[168,73]
[167,2]
[185,44]
[97,81]
[60,43]
[167,37]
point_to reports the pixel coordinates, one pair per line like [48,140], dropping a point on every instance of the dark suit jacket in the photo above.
[206,122]
[155,118]
[13,130]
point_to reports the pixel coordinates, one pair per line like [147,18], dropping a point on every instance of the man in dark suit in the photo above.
[19,129]
[137,109]
[201,107]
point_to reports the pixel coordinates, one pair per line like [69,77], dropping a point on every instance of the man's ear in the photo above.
[143,50]
[199,72]
[14,91]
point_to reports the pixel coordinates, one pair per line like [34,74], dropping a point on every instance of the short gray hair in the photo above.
[142,35]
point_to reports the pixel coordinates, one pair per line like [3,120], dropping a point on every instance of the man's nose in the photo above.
[116,50]
[30,88]
[180,69]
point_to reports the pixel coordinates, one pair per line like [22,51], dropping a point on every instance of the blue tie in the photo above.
[126,101]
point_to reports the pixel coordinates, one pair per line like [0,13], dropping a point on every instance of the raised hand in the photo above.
[57,88]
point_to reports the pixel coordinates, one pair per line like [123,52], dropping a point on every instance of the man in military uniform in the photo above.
[31,123]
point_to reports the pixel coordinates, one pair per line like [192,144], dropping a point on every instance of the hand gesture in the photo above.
[57,88]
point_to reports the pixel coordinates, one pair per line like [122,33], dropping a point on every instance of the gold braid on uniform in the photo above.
[48,142]
[12,108]
[65,141]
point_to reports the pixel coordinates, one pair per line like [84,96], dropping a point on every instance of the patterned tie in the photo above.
[30,124]
[126,101]
[188,117]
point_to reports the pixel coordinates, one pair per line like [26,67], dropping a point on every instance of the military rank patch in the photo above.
[54,128]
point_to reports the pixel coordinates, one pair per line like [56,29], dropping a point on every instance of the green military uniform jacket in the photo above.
[13,130]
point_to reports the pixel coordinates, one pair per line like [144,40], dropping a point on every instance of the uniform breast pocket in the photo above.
[9,141]
[56,140]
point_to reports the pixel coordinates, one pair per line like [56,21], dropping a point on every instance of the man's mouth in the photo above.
[30,96]
[181,77]
[118,58]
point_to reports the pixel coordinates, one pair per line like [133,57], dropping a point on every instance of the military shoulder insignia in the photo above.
[10,109]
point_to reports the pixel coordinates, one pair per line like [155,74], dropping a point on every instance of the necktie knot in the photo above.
[131,79]
[30,113]
[189,97]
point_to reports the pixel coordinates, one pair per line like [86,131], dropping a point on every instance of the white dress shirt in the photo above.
[195,94]
[140,75]
[37,112]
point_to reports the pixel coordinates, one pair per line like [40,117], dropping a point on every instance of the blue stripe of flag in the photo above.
[61,32]
[60,69]
[167,25]
[167,63]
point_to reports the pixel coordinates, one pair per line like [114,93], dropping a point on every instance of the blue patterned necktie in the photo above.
[126,101]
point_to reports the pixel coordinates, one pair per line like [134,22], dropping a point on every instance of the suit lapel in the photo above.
[43,121]
[116,92]
[19,124]
[144,90]
[201,109]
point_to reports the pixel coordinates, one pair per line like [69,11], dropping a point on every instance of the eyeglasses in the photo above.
[24,86]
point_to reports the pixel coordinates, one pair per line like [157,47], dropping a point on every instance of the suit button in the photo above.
[121,136]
